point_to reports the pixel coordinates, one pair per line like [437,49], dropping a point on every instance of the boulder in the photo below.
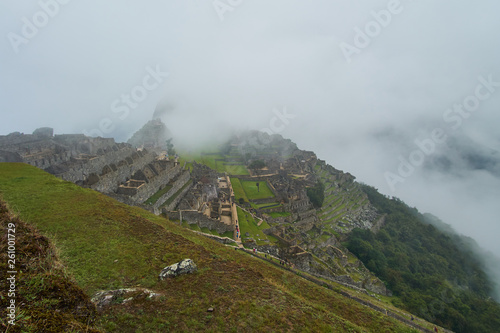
[185,266]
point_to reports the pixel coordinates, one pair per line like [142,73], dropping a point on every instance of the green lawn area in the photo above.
[273,204]
[200,157]
[249,224]
[209,160]
[228,234]
[214,161]
[192,226]
[208,231]
[195,227]
[238,169]
[188,161]
[250,188]
[279,214]
[238,189]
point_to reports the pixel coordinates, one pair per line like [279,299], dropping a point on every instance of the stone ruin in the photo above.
[120,170]
[208,203]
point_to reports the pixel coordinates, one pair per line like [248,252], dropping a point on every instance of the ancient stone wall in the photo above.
[80,170]
[44,161]
[306,214]
[178,183]
[177,199]
[277,209]
[111,180]
[298,205]
[44,150]
[13,140]
[148,189]
[203,221]
[269,249]
[306,224]
[222,240]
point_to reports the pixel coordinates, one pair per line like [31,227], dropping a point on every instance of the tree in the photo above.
[257,164]
[170,147]
[316,194]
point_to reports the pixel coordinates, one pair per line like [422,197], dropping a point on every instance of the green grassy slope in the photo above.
[238,189]
[46,299]
[216,160]
[105,244]
[248,224]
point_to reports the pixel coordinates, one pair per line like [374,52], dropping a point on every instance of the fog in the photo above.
[355,81]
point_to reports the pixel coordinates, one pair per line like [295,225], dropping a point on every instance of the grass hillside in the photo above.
[47,299]
[103,244]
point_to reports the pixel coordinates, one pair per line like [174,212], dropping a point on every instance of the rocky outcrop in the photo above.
[44,131]
[105,298]
[376,286]
[153,134]
[7,156]
[185,266]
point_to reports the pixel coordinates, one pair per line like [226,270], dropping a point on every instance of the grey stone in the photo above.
[153,134]
[44,131]
[7,156]
[185,266]
[105,298]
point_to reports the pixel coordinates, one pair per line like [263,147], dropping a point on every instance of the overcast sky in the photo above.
[355,81]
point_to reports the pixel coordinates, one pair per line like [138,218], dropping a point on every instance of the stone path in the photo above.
[234,216]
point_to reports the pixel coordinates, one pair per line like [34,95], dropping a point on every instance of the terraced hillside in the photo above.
[345,206]
[106,245]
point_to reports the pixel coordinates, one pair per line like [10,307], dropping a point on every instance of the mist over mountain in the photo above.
[402,94]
